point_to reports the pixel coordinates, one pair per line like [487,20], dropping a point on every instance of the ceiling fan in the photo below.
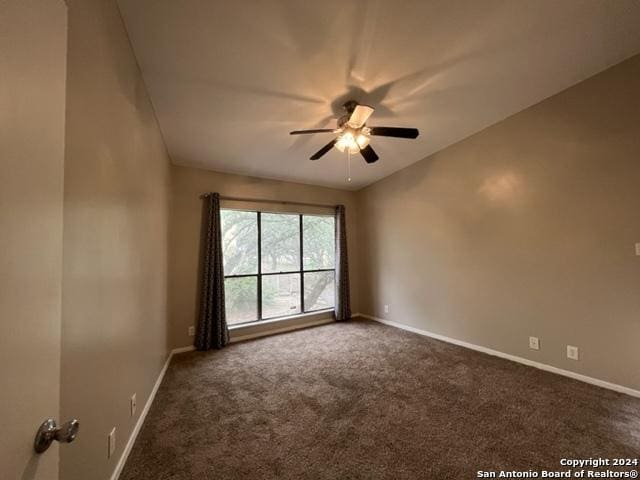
[353,134]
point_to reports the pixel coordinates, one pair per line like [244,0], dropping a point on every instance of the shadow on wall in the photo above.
[31,469]
[131,83]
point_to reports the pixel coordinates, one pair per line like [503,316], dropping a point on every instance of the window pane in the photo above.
[319,242]
[319,290]
[239,242]
[241,299]
[280,295]
[280,242]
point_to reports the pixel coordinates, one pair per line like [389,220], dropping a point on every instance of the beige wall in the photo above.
[186,222]
[33,35]
[527,228]
[116,210]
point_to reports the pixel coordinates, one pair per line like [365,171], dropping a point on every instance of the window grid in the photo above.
[260,274]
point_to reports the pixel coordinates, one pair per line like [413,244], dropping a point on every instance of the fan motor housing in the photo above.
[349,107]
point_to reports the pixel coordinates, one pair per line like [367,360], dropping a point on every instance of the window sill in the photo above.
[278,320]
[246,331]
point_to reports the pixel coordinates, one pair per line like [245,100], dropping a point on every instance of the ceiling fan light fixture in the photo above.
[352,141]
[362,140]
[353,133]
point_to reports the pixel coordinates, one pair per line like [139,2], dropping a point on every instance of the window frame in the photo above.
[259,275]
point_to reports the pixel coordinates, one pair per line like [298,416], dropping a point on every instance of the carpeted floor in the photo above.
[361,400]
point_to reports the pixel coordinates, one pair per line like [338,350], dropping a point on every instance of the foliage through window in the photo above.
[277,264]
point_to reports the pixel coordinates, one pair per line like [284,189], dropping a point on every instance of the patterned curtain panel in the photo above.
[343,304]
[212,325]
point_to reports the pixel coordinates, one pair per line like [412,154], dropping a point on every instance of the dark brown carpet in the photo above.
[363,400]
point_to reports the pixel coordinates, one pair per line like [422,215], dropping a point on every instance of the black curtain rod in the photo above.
[279,202]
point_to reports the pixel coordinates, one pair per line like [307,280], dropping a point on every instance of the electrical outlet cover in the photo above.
[534,343]
[134,405]
[112,443]
[192,331]
[573,353]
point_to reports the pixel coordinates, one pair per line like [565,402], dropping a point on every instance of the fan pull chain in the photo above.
[349,166]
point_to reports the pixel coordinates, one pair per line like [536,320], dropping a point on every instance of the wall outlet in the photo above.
[192,331]
[573,352]
[638,248]
[133,404]
[386,309]
[112,443]
[534,343]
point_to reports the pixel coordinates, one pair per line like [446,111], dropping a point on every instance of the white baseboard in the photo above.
[513,358]
[143,415]
[489,351]
[136,430]
[189,348]
[290,328]
[265,333]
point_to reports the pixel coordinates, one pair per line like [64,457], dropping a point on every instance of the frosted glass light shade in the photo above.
[352,141]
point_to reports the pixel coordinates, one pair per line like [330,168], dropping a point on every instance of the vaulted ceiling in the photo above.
[230,79]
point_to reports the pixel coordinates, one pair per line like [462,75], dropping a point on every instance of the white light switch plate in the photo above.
[534,343]
[573,353]
[112,443]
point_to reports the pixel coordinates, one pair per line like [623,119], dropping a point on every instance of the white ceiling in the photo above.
[230,79]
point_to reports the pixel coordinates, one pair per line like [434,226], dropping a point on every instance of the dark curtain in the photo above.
[343,304]
[212,324]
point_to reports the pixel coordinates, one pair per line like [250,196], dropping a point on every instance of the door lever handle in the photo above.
[49,431]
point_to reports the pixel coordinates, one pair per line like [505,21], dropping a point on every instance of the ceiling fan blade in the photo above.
[369,154]
[323,150]
[315,130]
[398,132]
[360,116]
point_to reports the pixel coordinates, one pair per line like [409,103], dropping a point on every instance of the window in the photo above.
[276,264]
